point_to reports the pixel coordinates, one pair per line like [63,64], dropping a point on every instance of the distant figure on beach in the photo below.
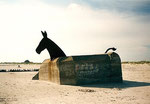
[19,66]
[54,50]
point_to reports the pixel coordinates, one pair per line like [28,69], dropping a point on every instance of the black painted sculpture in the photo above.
[53,49]
[110,49]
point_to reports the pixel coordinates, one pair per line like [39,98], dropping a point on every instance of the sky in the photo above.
[79,27]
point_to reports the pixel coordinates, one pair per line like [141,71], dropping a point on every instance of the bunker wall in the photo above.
[78,70]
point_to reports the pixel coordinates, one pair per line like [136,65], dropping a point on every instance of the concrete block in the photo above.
[78,70]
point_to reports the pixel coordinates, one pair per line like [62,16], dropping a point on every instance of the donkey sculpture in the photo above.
[105,67]
[54,50]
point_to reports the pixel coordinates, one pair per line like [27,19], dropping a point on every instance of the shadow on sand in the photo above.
[124,85]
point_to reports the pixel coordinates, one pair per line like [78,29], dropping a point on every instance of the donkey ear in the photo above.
[44,34]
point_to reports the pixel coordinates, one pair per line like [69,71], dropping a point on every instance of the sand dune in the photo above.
[19,88]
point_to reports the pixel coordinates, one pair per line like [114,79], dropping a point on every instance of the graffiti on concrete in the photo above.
[87,70]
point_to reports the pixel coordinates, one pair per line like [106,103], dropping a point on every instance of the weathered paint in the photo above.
[78,70]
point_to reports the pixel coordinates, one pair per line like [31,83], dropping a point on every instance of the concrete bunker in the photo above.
[79,70]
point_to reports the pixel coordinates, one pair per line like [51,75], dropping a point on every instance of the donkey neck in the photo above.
[54,50]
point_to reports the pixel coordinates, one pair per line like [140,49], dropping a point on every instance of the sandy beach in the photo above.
[19,88]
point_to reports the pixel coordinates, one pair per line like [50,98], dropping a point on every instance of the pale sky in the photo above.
[79,27]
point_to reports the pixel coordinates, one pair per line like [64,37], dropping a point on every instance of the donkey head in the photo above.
[42,44]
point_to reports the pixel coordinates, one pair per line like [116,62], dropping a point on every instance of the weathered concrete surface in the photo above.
[78,70]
